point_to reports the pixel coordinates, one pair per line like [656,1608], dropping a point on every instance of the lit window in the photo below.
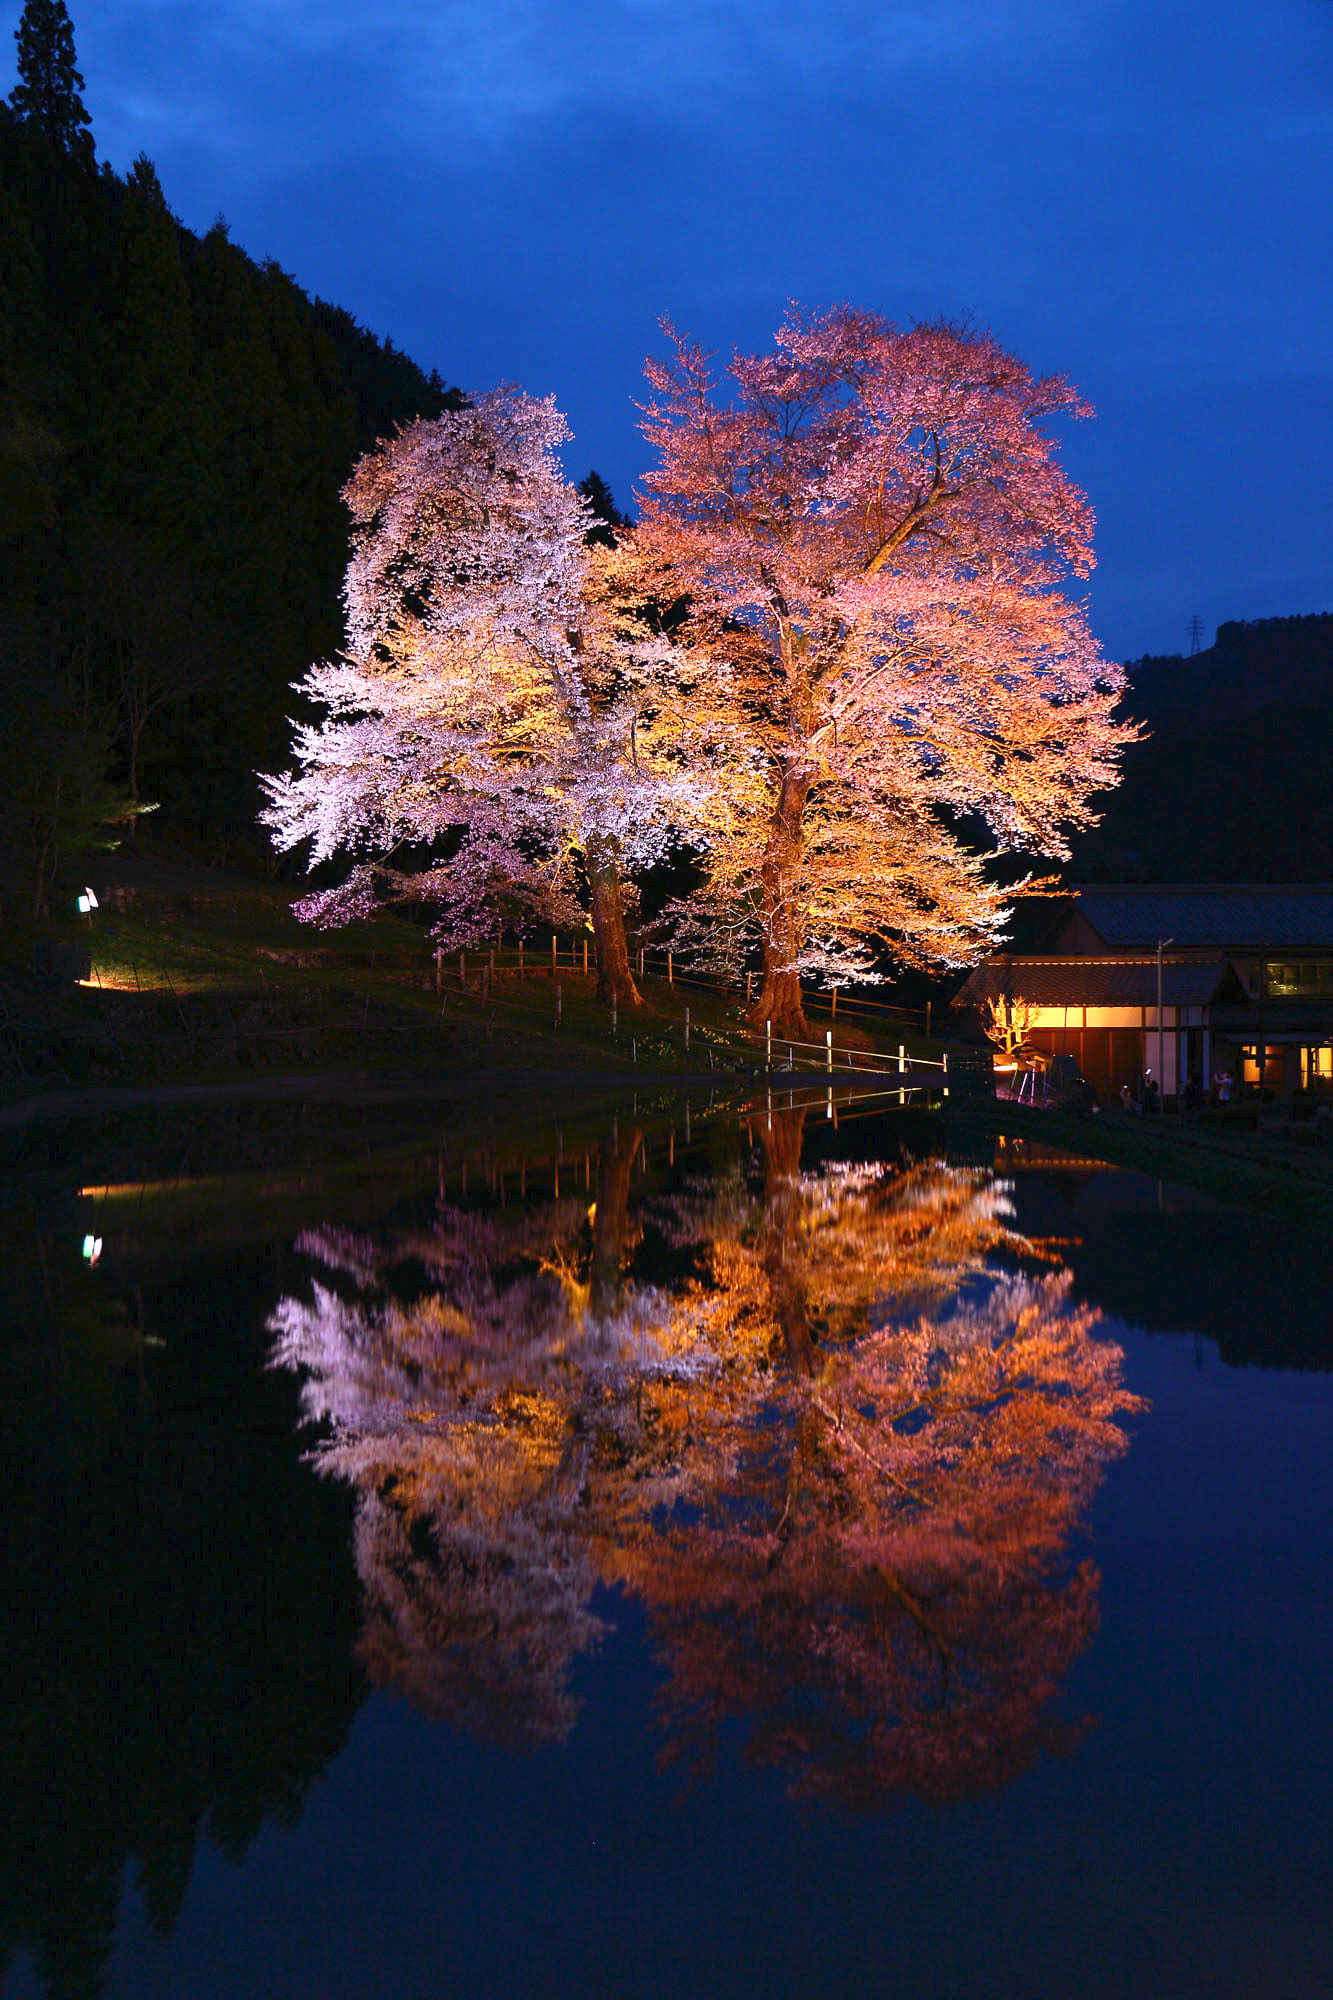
[1317,1067]
[1272,1065]
[1288,979]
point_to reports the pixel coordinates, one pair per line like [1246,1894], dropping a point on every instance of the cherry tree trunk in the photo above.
[779,999]
[780,1139]
[615,977]
[611,1217]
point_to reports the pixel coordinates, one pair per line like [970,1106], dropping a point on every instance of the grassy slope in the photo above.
[205,976]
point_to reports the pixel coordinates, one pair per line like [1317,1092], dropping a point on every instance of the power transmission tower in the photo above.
[1196,634]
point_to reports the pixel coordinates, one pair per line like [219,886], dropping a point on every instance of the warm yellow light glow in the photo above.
[116,982]
[139,1190]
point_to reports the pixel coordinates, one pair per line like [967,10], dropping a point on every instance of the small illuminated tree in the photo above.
[1008,1021]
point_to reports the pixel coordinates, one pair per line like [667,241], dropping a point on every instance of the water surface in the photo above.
[794,1554]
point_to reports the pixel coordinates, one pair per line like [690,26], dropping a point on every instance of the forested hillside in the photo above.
[176,421]
[1233,783]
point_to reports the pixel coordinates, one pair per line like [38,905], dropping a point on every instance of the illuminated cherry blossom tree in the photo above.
[875,540]
[498,708]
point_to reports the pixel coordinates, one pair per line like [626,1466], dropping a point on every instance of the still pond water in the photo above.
[794,1555]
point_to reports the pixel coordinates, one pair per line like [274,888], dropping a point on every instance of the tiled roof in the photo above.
[1230,916]
[1093,982]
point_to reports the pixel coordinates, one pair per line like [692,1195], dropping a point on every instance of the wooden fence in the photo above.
[577,957]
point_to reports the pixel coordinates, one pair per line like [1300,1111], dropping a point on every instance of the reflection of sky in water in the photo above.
[190,1634]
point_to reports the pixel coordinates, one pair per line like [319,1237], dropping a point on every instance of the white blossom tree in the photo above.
[502,733]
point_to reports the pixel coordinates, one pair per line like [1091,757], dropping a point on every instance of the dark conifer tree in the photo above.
[48,94]
[609,517]
[176,422]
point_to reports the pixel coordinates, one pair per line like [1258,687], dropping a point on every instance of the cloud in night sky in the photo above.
[1136,194]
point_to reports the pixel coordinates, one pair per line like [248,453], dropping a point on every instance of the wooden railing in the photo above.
[555,957]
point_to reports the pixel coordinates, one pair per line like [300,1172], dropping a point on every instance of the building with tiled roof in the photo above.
[1246,983]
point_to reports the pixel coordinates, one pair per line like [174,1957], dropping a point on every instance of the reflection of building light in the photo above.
[87,902]
[92,1248]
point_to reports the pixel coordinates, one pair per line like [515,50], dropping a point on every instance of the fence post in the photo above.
[768,1042]
[520,957]
[641,961]
[946,1072]
[585,958]
[671,980]
[687,1027]
[439,968]
[553,954]
[559,1003]
[927,1019]
[902,1059]
[613,1016]
[748,977]
[828,1048]
[833,1012]
[462,970]
[492,961]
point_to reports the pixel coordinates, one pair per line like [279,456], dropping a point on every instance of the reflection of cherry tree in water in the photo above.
[846,1495]
[879,1585]
[471,1422]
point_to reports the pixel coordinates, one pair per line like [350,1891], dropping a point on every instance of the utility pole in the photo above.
[1196,634]
[1161,1074]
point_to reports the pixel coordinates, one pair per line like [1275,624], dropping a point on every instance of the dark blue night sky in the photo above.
[1134,193]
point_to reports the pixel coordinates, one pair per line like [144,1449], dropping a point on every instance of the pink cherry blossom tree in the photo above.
[876,540]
